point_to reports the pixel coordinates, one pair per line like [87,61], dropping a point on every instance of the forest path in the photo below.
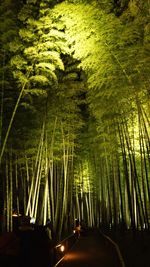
[92,250]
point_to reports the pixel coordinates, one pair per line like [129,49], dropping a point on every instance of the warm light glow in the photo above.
[16,215]
[62,248]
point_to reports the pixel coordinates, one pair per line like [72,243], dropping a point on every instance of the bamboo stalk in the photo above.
[35,169]
[12,119]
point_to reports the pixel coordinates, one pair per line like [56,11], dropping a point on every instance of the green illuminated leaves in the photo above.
[20,77]
[27,34]
[45,66]
[41,52]
[18,62]
[39,79]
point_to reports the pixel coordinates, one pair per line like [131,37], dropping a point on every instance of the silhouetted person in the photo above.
[49,229]
[77,228]
[83,227]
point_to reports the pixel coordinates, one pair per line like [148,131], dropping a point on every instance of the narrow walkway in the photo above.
[92,250]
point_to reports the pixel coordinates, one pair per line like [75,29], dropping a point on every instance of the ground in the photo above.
[135,248]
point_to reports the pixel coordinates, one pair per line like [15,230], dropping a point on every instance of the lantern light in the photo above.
[62,248]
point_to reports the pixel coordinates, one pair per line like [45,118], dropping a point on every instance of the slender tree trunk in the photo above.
[7,211]
[32,192]
[120,192]
[11,191]
[143,163]
[125,165]
[2,101]
[65,194]
[16,185]
[11,120]
[135,180]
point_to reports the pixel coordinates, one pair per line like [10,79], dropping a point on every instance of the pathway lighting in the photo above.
[16,214]
[60,247]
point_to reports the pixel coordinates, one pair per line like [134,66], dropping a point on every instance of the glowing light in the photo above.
[62,248]
[32,220]
[16,215]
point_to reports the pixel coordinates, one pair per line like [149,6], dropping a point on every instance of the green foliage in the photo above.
[39,92]
[18,62]
[107,50]
[39,79]
[83,69]
[20,77]
[41,48]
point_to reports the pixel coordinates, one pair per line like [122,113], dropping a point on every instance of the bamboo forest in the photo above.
[75,112]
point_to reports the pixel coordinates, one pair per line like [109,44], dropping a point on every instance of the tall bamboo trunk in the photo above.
[36,176]
[11,191]
[143,164]
[126,174]
[65,193]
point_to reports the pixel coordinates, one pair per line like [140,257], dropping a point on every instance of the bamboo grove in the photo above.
[75,109]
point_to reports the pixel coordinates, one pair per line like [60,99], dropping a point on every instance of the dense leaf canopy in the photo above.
[74,121]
